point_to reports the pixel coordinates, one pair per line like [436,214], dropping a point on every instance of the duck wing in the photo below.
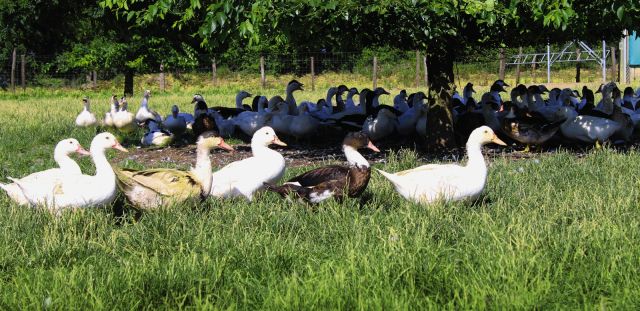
[166,182]
[320,175]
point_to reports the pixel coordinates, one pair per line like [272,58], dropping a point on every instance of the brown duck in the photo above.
[334,180]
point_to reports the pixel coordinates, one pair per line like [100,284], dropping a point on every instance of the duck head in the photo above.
[265,137]
[353,91]
[197,98]
[175,110]
[499,86]
[294,85]
[379,91]
[342,88]
[69,146]
[484,135]
[359,140]
[242,95]
[210,140]
[147,94]
[105,141]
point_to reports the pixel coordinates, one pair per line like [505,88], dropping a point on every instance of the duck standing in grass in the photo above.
[243,178]
[66,166]
[334,180]
[86,118]
[449,182]
[152,188]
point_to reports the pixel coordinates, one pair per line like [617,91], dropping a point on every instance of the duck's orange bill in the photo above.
[373,147]
[497,141]
[119,147]
[278,142]
[82,151]
[224,145]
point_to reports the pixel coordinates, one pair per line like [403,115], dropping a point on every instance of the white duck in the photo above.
[79,190]
[243,178]
[144,113]
[66,166]
[176,123]
[86,117]
[124,120]
[449,182]
[108,116]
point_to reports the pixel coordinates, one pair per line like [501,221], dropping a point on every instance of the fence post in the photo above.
[95,79]
[417,69]
[548,62]
[604,61]
[614,65]
[426,71]
[518,65]
[162,77]
[13,71]
[578,65]
[23,73]
[263,77]
[502,64]
[313,75]
[375,72]
[214,71]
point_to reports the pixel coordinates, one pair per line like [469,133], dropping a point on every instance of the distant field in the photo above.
[552,231]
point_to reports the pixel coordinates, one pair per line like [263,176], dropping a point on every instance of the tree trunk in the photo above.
[128,82]
[440,133]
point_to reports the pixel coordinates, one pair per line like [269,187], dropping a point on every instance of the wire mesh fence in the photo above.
[406,68]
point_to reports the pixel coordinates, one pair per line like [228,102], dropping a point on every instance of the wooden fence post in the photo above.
[162,77]
[417,69]
[214,71]
[519,59]
[502,64]
[13,71]
[578,65]
[614,65]
[95,79]
[375,72]
[23,73]
[426,71]
[313,75]
[263,77]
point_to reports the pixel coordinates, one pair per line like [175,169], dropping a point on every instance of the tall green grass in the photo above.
[550,232]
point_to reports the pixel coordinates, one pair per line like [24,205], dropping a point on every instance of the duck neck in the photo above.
[145,102]
[64,161]
[239,99]
[202,171]
[290,99]
[329,100]
[375,102]
[103,167]
[259,149]
[476,159]
[86,107]
[354,158]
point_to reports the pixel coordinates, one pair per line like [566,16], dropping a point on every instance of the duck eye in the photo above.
[70,143]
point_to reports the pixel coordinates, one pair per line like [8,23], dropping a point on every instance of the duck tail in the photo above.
[391,177]
[283,190]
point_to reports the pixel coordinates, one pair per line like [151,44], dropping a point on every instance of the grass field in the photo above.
[551,231]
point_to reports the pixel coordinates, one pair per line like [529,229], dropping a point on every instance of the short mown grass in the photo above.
[552,231]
